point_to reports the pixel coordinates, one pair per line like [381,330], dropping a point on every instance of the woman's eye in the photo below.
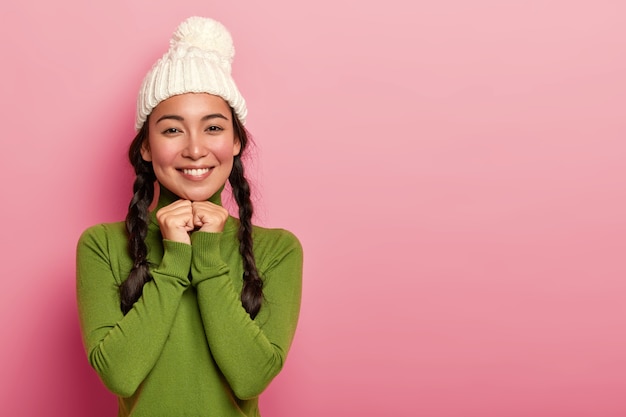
[171,131]
[213,128]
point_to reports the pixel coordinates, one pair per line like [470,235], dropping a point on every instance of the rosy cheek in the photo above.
[224,151]
[164,154]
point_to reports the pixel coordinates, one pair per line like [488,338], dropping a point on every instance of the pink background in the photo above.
[454,170]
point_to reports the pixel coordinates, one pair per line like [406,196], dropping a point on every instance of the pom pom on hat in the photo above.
[206,34]
[198,61]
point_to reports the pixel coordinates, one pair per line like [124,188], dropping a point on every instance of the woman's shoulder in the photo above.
[273,246]
[104,232]
[279,258]
[274,236]
[266,236]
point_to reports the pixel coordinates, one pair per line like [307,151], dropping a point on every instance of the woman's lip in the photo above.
[196,173]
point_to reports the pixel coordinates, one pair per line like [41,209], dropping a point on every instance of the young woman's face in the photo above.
[191,143]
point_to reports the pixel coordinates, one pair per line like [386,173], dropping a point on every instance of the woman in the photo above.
[185,310]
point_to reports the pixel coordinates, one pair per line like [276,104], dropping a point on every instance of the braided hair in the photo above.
[252,291]
[137,220]
[138,217]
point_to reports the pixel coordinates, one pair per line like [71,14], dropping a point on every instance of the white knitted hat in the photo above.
[198,61]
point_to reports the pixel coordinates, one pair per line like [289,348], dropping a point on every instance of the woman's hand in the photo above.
[176,221]
[184,216]
[209,217]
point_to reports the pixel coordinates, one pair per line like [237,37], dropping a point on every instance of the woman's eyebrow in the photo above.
[170,117]
[213,116]
[182,119]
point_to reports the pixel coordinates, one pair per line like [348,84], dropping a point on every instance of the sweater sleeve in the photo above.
[250,353]
[124,348]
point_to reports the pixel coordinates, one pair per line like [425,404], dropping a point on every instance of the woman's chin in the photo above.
[194,195]
[197,196]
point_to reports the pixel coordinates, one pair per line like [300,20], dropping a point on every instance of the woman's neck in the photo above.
[166,197]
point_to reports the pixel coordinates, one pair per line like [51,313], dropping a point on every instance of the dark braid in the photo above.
[137,223]
[252,291]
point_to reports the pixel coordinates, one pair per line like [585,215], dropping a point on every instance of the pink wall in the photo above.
[454,169]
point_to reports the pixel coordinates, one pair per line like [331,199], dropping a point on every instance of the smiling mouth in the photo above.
[195,172]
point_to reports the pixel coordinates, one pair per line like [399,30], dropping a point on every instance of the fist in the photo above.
[180,218]
[209,217]
[176,221]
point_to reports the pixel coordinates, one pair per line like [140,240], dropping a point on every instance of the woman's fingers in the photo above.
[183,216]
[176,221]
[209,217]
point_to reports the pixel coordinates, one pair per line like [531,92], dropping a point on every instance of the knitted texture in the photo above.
[199,60]
[187,347]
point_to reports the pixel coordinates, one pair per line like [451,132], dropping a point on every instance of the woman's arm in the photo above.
[250,353]
[123,349]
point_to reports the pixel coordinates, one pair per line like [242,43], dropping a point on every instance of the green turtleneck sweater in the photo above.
[187,347]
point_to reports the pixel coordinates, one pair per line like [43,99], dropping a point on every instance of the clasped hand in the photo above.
[182,217]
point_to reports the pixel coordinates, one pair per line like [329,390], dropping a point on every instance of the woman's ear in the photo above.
[236,147]
[146,155]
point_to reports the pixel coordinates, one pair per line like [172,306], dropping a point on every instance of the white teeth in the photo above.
[195,172]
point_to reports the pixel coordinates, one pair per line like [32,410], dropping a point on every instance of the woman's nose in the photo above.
[195,147]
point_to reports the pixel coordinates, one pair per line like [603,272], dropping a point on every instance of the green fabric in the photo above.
[187,347]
